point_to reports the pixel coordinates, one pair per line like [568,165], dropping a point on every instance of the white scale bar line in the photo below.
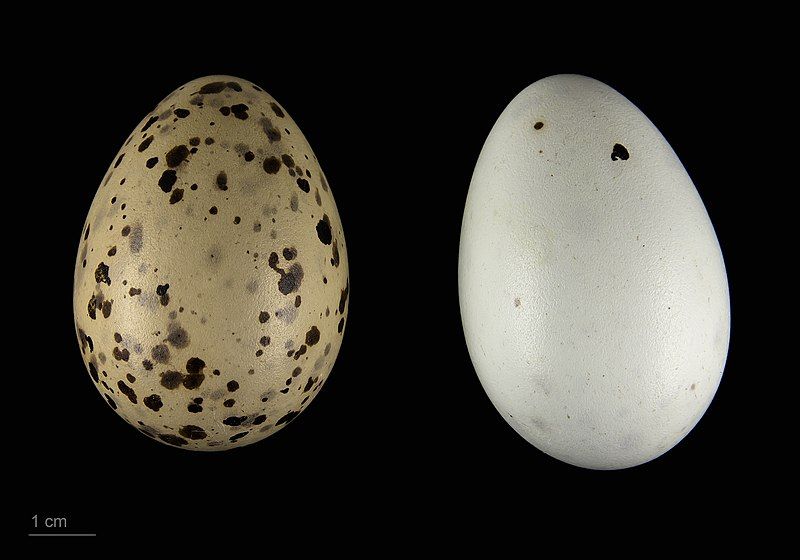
[62,534]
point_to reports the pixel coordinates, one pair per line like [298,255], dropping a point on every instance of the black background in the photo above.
[402,437]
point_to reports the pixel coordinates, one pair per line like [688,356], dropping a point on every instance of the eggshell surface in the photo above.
[593,292]
[211,283]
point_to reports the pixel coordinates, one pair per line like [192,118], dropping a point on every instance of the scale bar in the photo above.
[62,534]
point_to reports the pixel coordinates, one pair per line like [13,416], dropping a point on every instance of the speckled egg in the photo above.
[593,290]
[211,283]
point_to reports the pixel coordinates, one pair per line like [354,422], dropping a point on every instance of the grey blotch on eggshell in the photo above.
[183,295]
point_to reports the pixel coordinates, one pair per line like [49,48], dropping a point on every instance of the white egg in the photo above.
[592,287]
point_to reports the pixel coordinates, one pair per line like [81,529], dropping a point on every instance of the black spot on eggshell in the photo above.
[168,179]
[619,152]
[192,432]
[127,391]
[176,196]
[239,111]
[272,165]
[162,293]
[176,155]
[312,336]
[195,365]
[212,87]
[121,355]
[149,123]
[146,144]
[153,402]
[193,380]
[324,230]
[343,297]
[290,279]
[222,181]
[171,379]
[101,274]
[277,110]
[173,439]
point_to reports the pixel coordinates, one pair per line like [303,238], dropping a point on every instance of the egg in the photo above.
[592,288]
[211,283]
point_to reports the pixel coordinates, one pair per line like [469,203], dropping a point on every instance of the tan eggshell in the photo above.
[211,283]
